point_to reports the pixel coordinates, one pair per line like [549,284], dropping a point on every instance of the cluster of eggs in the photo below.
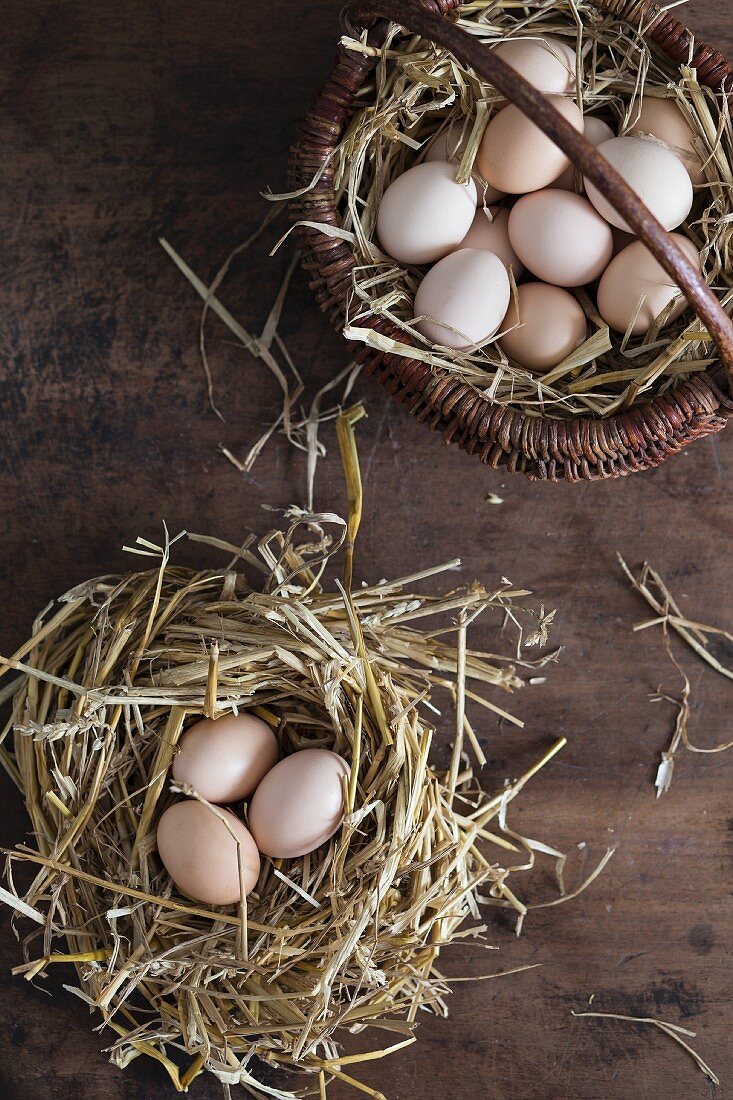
[296,805]
[520,210]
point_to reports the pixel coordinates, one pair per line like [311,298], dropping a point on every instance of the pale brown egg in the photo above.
[516,157]
[596,131]
[201,855]
[548,64]
[560,237]
[550,323]
[462,299]
[424,213]
[492,235]
[633,274]
[449,145]
[224,759]
[653,172]
[663,119]
[299,805]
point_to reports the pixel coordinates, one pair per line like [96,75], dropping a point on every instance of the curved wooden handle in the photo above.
[425,17]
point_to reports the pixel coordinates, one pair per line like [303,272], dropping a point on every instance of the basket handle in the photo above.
[426,18]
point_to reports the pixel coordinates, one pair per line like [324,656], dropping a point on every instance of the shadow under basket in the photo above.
[548,448]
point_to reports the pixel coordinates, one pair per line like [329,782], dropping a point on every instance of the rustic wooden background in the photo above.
[120,122]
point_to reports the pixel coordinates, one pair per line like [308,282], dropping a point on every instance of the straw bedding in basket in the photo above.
[418,89]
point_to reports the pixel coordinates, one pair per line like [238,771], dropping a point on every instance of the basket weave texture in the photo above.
[543,448]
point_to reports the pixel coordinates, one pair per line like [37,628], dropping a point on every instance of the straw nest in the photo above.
[418,89]
[347,938]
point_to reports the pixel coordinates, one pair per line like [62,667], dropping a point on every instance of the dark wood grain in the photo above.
[122,122]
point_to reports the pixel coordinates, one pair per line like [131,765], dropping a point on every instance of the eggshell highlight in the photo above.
[560,237]
[463,298]
[299,805]
[546,63]
[225,758]
[200,854]
[653,173]
[424,213]
[551,326]
[516,157]
[632,273]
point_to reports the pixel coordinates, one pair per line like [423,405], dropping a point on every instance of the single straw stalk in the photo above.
[697,636]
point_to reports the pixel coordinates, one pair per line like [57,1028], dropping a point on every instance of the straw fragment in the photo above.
[697,636]
[674,1031]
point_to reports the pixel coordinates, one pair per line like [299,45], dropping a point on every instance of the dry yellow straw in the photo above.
[346,937]
[418,90]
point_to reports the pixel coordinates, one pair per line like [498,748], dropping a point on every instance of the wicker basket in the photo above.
[547,448]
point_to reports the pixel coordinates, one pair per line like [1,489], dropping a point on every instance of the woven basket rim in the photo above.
[544,447]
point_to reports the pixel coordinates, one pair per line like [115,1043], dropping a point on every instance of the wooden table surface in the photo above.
[121,122]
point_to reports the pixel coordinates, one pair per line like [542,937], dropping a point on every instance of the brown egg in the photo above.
[546,63]
[492,235]
[663,119]
[200,854]
[596,131]
[299,805]
[516,157]
[462,299]
[560,237]
[653,173]
[224,759]
[634,273]
[424,214]
[550,323]
[449,145]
